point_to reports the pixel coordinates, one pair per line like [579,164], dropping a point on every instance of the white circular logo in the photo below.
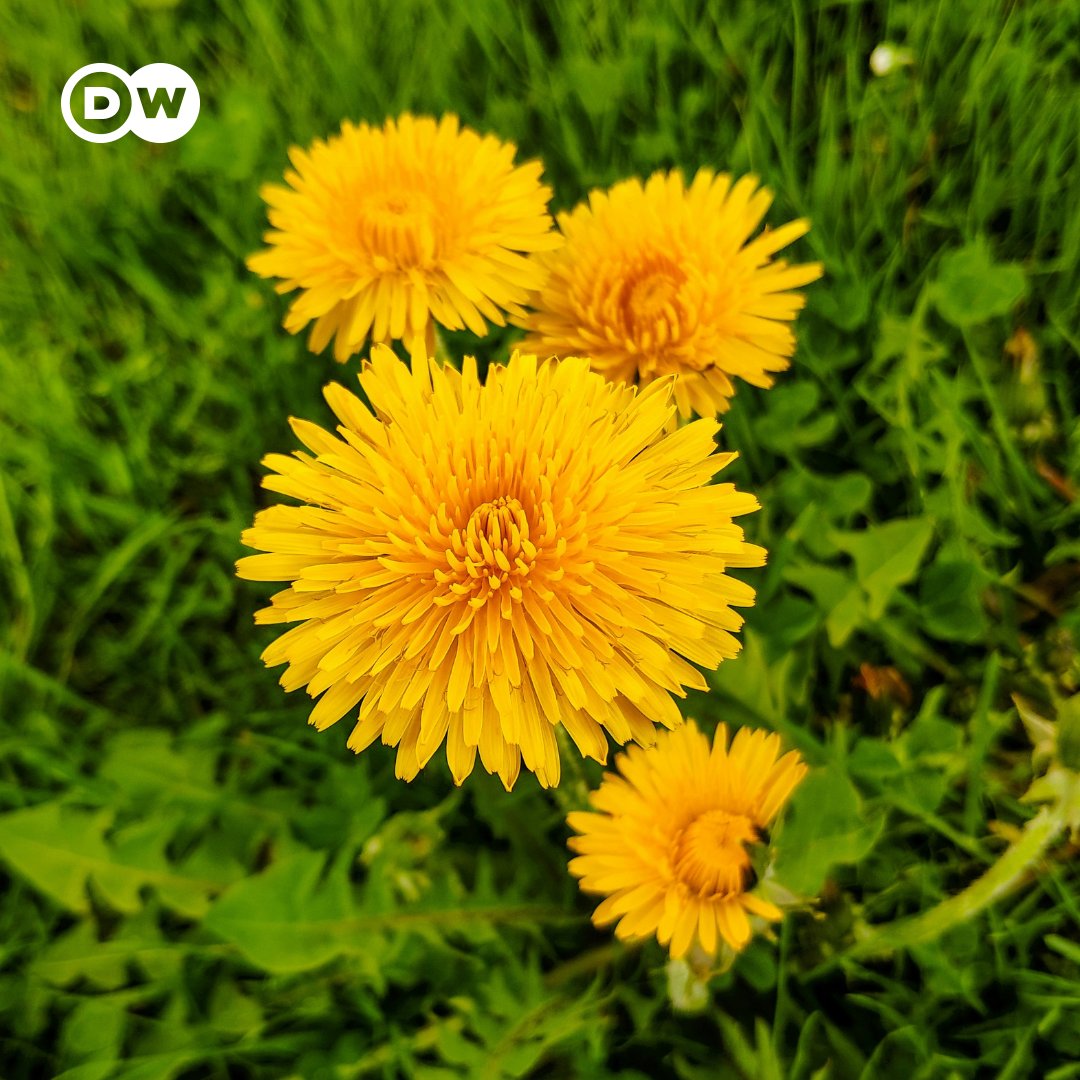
[159,103]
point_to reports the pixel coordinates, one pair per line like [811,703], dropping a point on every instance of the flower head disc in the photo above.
[477,564]
[659,279]
[670,843]
[385,228]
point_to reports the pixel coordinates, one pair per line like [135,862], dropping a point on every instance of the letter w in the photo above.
[169,100]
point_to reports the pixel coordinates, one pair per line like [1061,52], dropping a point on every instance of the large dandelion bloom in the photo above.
[659,279]
[481,563]
[383,228]
[671,843]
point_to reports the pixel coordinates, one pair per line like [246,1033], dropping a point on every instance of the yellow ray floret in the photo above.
[477,564]
[384,229]
[669,845]
[662,279]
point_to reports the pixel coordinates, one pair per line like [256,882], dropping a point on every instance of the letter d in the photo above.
[92,95]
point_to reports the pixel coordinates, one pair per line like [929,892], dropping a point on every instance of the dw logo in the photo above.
[101,103]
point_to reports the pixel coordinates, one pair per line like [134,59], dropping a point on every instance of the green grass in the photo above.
[195,884]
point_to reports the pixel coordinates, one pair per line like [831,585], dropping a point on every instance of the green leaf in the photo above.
[886,557]
[822,1046]
[94,1029]
[293,917]
[875,761]
[784,621]
[456,1048]
[147,764]
[757,965]
[755,1061]
[751,681]
[906,340]
[794,419]
[287,919]
[164,1066]
[836,595]
[972,288]
[932,736]
[827,825]
[949,605]
[59,849]
[846,303]
[233,1012]
[900,1054]
[968,519]
[80,954]
[1063,552]
[819,504]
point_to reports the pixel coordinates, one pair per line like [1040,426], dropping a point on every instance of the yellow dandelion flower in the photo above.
[384,228]
[669,845]
[659,279]
[478,563]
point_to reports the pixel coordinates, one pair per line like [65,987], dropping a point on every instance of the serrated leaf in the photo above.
[287,918]
[60,849]
[293,917]
[80,954]
[148,764]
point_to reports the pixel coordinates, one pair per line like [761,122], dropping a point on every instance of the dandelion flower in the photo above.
[671,844]
[480,563]
[659,279]
[385,228]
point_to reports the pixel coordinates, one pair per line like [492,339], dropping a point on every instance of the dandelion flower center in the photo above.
[493,551]
[399,232]
[650,305]
[711,857]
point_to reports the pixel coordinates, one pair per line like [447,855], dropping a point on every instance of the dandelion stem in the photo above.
[1007,874]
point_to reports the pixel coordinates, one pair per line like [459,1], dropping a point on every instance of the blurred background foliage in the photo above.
[195,884]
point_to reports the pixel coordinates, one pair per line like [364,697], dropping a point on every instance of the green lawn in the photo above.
[196,884]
